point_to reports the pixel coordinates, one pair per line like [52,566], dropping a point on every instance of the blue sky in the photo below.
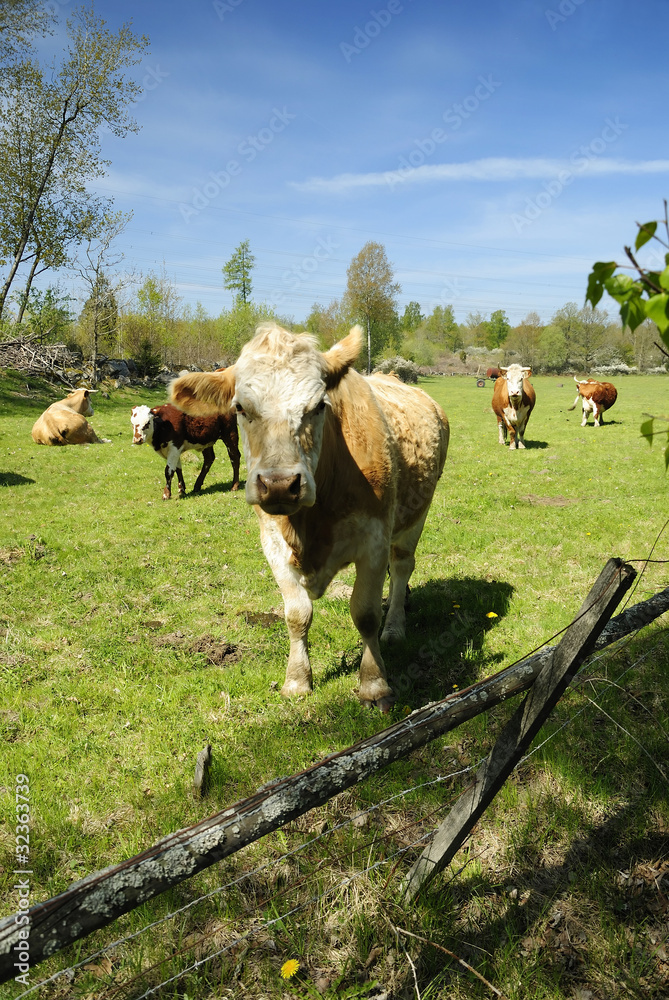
[496,149]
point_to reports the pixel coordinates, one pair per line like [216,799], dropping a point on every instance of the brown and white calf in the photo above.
[596,397]
[171,432]
[513,400]
[341,469]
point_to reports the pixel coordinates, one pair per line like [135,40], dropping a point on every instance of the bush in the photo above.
[405,370]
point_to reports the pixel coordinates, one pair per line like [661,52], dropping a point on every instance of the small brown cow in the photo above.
[65,422]
[596,397]
[513,399]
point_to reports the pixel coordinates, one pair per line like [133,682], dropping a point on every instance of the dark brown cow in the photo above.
[172,432]
[513,400]
[493,373]
[596,397]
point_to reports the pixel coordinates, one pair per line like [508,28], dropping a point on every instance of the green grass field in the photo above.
[133,631]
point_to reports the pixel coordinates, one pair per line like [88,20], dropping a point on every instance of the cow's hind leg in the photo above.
[298,609]
[208,457]
[235,457]
[374,689]
[402,562]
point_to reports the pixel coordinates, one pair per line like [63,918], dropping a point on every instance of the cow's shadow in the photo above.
[447,621]
[214,488]
[530,445]
[14,479]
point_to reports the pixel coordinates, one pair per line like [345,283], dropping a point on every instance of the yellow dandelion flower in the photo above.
[588,532]
[406,710]
[492,614]
[289,968]
[455,687]
[456,605]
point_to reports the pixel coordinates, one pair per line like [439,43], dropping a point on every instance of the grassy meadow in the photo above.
[134,631]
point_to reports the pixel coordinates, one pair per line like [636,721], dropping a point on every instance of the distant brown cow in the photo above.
[513,400]
[65,422]
[492,373]
[596,397]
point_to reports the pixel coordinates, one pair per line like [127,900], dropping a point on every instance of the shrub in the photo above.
[405,370]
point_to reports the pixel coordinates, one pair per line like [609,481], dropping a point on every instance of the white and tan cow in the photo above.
[341,469]
[596,398]
[65,422]
[513,400]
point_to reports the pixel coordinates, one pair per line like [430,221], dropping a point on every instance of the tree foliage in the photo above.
[50,145]
[371,296]
[237,273]
[20,22]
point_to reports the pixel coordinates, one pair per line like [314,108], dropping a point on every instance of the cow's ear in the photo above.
[503,371]
[527,372]
[339,358]
[204,394]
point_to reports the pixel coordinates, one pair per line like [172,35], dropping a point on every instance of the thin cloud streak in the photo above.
[488,169]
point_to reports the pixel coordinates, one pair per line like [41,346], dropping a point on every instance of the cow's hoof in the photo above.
[293,689]
[383,704]
[235,487]
[167,496]
[393,634]
[520,444]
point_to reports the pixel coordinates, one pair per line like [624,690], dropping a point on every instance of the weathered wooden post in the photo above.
[516,737]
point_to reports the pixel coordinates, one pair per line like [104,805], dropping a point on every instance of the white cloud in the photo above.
[488,169]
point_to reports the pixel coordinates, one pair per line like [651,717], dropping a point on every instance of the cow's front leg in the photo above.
[173,465]
[298,608]
[208,457]
[373,689]
[502,431]
[512,436]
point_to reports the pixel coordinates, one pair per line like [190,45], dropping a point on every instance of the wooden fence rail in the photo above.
[98,899]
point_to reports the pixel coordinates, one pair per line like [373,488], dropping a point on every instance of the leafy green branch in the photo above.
[644,294]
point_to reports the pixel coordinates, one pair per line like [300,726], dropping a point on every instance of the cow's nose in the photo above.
[275,488]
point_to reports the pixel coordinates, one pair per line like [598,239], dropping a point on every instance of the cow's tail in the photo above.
[573,406]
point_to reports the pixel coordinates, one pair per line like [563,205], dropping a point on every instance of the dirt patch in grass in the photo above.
[548,501]
[11,556]
[218,652]
[263,618]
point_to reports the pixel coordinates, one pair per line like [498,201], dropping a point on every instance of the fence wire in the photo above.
[70,971]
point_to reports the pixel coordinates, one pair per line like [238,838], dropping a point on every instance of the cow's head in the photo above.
[80,402]
[515,375]
[278,389]
[141,419]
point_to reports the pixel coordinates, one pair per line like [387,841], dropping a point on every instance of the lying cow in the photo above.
[513,400]
[596,397]
[341,469]
[65,422]
[171,432]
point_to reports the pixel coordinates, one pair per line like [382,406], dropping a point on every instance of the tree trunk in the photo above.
[29,282]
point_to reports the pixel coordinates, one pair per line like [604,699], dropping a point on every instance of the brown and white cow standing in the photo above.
[341,469]
[172,432]
[596,397]
[513,400]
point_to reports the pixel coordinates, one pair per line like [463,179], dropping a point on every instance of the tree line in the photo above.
[153,326]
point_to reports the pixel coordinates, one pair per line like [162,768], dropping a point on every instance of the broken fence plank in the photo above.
[99,898]
[516,737]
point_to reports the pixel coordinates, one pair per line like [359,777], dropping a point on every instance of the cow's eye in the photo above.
[240,409]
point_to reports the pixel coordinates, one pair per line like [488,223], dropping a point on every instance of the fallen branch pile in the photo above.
[23,355]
